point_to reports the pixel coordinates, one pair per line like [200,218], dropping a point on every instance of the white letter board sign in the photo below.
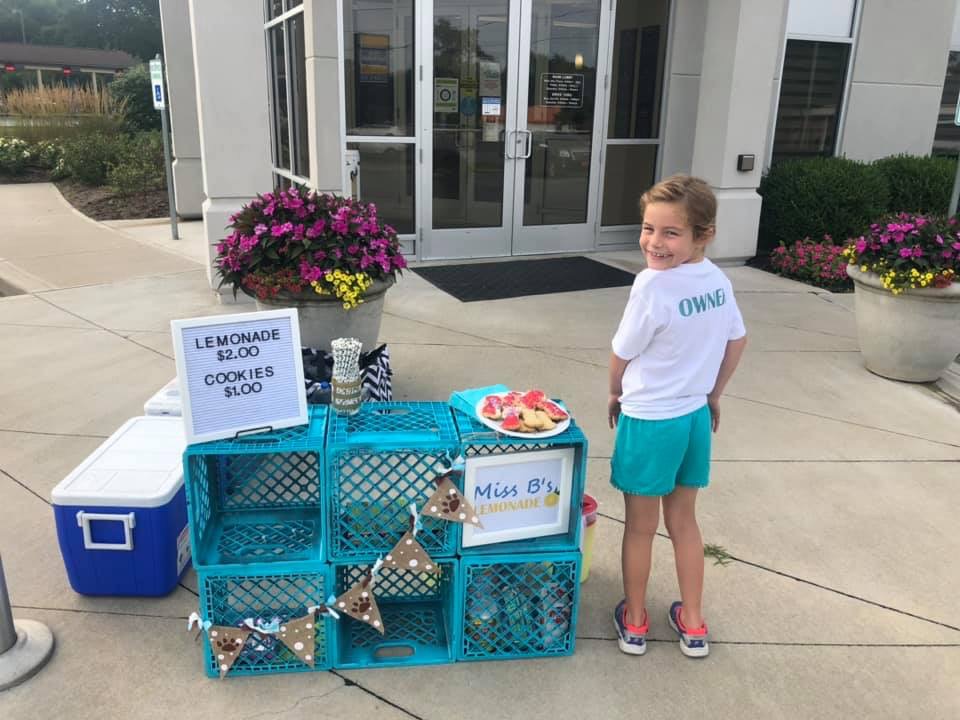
[239,372]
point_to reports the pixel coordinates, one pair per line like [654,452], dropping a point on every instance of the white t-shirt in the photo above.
[674,332]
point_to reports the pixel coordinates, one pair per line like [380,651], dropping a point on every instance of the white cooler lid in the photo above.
[165,401]
[140,465]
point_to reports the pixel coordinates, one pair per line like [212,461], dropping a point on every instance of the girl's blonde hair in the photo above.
[694,194]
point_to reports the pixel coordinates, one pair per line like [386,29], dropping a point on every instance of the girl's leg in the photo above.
[679,515]
[642,518]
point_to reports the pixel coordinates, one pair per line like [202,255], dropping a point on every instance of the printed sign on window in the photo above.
[373,55]
[562,89]
[239,372]
[445,95]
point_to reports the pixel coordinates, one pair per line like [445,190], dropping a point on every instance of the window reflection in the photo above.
[811,93]
[378,67]
[561,91]
[470,67]
[387,179]
[636,78]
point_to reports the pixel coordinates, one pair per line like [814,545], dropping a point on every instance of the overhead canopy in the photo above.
[50,56]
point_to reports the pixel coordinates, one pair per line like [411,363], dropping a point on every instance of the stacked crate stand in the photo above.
[282,520]
[519,599]
[256,527]
[381,461]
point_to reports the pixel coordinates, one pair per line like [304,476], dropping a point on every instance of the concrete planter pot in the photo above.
[912,337]
[322,317]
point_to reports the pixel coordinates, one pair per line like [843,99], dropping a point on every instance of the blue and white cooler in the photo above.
[122,513]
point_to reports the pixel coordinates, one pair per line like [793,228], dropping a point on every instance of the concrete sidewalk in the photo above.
[834,491]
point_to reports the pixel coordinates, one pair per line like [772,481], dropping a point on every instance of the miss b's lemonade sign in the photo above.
[519,495]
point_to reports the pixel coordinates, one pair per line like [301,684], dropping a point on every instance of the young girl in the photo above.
[678,343]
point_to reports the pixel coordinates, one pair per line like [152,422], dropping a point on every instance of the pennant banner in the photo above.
[299,635]
[447,503]
[227,642]
[408,554]
[359,603]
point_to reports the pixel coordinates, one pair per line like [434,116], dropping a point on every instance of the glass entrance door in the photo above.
[557,177]
[510,132]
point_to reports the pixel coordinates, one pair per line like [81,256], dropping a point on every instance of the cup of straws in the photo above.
[346,387]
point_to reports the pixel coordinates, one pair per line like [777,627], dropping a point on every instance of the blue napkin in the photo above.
[466,400]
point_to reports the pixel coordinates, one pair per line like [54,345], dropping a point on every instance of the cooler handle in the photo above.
[128,520]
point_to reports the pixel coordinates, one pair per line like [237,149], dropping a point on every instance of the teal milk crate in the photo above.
[518,606]
[258,498]
[420,614]
[381,461]
[228,596]
[478,440]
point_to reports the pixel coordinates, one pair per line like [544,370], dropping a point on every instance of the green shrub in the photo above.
[61,127]
[140,165]
[88,157]
[132,91]
[918,184]
[817,197]
[15,155]
[47,154]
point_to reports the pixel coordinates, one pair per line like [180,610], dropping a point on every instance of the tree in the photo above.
[130,25]
[133,89]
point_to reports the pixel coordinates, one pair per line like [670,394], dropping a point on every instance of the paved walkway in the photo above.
[834,493]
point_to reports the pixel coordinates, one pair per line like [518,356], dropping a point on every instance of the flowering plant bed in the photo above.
[909,251]
[817,262]
[292,241]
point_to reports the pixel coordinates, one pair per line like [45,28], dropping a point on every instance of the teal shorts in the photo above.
[653,457]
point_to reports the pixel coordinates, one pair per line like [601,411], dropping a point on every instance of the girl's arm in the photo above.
[731,358]
[617,367]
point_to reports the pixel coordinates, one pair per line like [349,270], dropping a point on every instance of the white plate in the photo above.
[495,424]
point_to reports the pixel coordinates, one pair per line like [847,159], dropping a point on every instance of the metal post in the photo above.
[169,169]
[955,195]
[25,646]
[8,633]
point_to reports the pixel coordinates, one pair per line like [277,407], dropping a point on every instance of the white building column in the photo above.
[230,59]
[894,99]
[182,95]
[324,107]
[740,60]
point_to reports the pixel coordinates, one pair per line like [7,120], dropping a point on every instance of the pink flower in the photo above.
[260,229]
[906,252]
[248,243]
[316,229]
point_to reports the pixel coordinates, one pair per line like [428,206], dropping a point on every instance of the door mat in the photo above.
[518,278]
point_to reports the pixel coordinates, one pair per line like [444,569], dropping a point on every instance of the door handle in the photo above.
[528,146]
[510,139]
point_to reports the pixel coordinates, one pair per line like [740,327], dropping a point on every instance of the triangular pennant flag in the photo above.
[227,643]
[299,635]
[447,503]
[408,554]
[358,602]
